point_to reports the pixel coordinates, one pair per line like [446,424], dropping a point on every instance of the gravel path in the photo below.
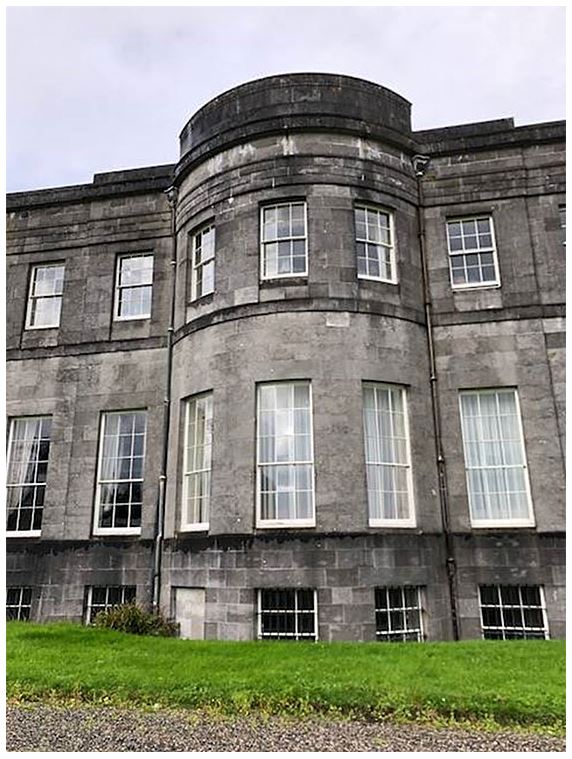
[46,728]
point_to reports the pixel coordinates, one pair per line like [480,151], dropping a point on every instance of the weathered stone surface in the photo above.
[333,142]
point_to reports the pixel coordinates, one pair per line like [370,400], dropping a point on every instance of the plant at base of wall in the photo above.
[131,618]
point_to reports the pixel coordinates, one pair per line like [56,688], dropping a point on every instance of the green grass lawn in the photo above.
[512,683]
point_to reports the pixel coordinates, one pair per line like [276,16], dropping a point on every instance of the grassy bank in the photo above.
[506,683]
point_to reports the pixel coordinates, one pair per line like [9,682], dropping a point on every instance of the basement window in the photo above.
[45,296]
[133,287]
[283,241]
[375,247]
[472,253]
[27,473]
[287,614]
[398,614]
[119,494]
[513,612]
[18,603]
[203,268]
[103,597]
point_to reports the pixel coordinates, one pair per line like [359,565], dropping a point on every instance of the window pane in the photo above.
[27,471]
[121,470]
[398,614]
[386,452]
[283,238]
[375,258]
[284,452]
[512,612]
[287,614]
[466,239]
[494,456]
[198,450]
[134,286]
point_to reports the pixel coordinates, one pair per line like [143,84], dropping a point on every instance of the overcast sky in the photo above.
[93,89]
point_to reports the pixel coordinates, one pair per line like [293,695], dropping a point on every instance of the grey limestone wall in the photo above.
[333,142]
[75,391]
[336,356]
[345,570]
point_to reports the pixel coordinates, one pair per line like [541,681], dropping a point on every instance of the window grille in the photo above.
[103,597]
[285,458]
[119,494]
[284,243]
[472,252]
[398,614]
[495,459]
[287,614]
[513,612]
[203,269]
[388,460]
[28,453]
[18,603]
[134,287]
[45,297]
[375,247]
[197,462]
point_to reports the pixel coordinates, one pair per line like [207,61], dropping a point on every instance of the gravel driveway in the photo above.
[46,728]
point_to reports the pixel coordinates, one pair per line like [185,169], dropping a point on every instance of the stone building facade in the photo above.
[306,382]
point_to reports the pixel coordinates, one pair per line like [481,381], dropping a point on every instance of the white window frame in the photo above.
[495,523]
[279,523]
[474,251]
[32,297]
[385,636]
[25,533]
[97,530]
[288,275]
[187,526]
[117,316]
[410,521]
[503,628]
[392,246]
[196,266]
[295,613]
[89,599]
[20,605]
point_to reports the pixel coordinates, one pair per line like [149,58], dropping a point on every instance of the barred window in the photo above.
[513,612]
[134,286]
[495,459]
[388,463]
[203,269]
[197,462]
[284,243]
[18,603]
[472,252]
[375,247]
[45,297]
[102,597]
[28,453]
[285,457]
[119,494]
[398,614]
[287,614]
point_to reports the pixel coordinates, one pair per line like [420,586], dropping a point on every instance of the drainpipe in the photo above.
[171,194]
[420,163]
